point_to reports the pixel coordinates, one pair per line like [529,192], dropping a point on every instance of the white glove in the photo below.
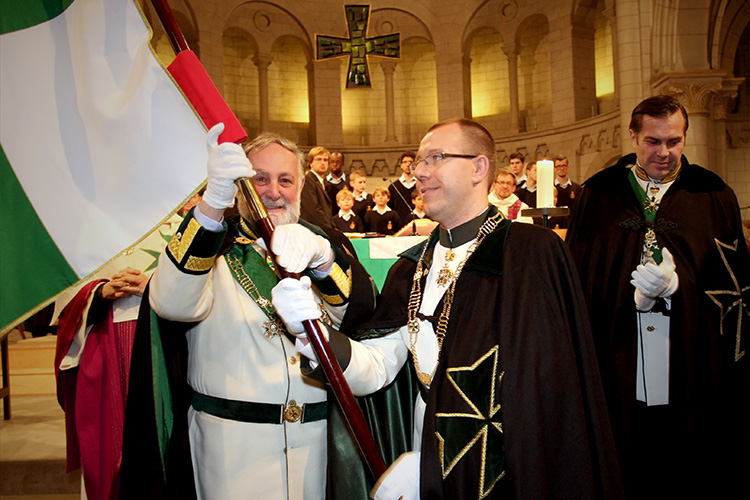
[226,163]
[643,303]
[295,302]
[656,281]
[401,480]
[297,248]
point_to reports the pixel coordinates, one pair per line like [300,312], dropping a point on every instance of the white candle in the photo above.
[545,183]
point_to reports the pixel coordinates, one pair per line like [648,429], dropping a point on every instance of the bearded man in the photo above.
[255,424]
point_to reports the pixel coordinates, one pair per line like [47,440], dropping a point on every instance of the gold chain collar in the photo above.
[415,300]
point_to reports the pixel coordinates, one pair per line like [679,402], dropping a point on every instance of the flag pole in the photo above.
[352,414]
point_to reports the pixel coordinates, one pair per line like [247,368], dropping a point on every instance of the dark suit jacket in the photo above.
[315,205]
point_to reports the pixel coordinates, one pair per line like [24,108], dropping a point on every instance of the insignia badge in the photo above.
[390,225]
[241,240]
[292,412]
[352,225]
[479,430]
[732,303]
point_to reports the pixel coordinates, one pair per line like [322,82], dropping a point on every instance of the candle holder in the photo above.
[545,213]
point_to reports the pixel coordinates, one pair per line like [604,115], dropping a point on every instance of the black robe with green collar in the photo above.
[699,221]
[516,409]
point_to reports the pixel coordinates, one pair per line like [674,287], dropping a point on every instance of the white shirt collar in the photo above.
[407,184]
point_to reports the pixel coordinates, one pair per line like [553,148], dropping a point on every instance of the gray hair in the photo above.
[267,138]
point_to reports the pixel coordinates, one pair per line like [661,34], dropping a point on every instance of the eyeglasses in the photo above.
[433,159]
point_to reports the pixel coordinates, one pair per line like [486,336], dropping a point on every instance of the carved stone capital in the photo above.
[511,50]
[262,61]
[702,92]
[388,67]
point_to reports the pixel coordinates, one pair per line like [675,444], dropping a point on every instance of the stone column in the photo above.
[324,88]
[390,107]
[262,62]
[630,65]
[453,96]
[719,115]
[511,51]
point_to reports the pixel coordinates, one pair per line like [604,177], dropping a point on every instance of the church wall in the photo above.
[434,79]
[415,90]
[241,79]
[490,94]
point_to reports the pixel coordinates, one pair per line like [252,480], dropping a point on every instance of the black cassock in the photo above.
[699,222]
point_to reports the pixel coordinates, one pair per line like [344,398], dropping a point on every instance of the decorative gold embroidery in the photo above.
[334,300]
[343,280]
[199,263]
[486,418]
[180,243]
[727,300]
[325,318]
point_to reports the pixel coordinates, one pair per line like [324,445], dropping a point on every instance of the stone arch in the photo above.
[729,21]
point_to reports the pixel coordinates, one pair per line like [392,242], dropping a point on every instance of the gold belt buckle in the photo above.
[292,412]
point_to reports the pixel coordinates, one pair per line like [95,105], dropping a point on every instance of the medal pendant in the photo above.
[271,329]
[444,277]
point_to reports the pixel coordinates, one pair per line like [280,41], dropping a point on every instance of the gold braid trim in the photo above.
[180,243]
[642,175]
[343,280]
[334,300]
[199,263]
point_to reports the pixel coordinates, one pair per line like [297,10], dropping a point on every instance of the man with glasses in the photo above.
[401,190]
[504,198]
[659,246]
[510,403]
[567,190]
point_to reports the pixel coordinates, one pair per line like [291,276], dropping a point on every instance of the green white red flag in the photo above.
[98,144]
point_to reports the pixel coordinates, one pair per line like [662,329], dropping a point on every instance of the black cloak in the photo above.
[699,222]
[519,349]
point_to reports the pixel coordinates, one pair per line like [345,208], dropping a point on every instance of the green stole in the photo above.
[649,209]
[256,277]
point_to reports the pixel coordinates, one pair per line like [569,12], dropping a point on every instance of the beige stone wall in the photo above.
[581,67]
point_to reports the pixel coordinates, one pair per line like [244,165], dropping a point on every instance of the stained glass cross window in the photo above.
[357,46]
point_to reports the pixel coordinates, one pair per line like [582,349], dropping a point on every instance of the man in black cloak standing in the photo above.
[659,246]
[511,404]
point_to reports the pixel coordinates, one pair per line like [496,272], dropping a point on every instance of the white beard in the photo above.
[290,214]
